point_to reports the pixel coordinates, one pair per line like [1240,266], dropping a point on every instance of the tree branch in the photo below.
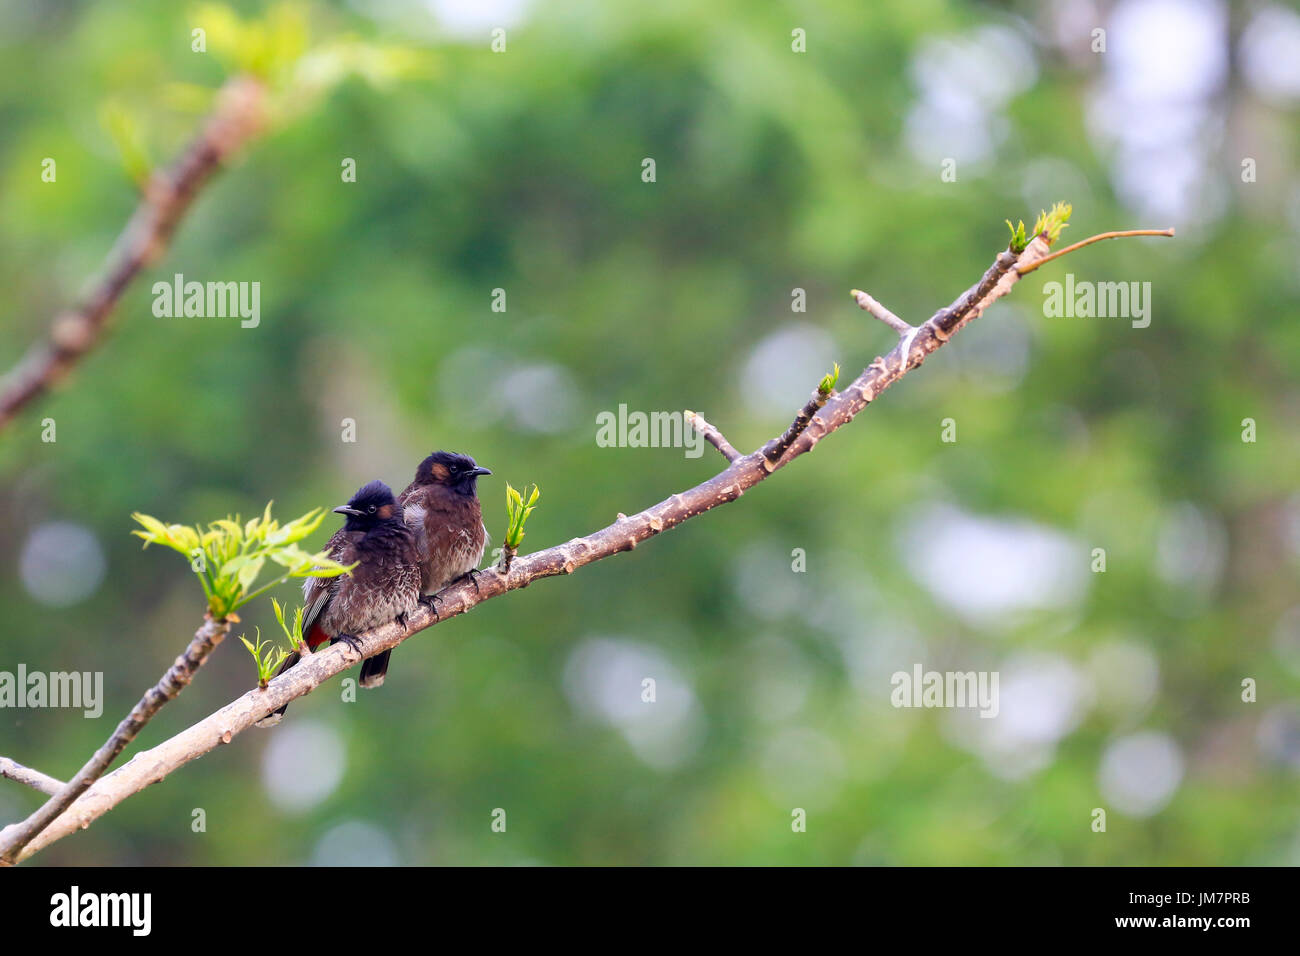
[13,770]
[14,838]
[237,118]
[742,473]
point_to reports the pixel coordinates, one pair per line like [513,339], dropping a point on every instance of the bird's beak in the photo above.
[346,510]
[481,471]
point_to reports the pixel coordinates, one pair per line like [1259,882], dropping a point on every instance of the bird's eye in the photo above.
[371,509]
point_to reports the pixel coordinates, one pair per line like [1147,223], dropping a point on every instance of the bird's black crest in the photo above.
[375,493]
[452,463]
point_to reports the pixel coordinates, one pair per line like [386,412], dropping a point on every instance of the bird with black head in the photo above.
[441,506]
[384,585]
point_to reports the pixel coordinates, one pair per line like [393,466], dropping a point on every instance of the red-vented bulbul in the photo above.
[442,508]
[384,585]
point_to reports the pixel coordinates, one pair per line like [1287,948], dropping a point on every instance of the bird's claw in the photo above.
[401,619]
[473,574]
[351,642]
[431,602]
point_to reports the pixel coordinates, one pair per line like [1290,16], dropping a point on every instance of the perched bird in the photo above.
[384,585]
[442,508]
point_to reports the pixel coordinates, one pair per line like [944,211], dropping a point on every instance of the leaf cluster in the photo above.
[229,556]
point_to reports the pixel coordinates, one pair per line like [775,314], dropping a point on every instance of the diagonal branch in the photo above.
[624,534]
[14,838]
[237,118]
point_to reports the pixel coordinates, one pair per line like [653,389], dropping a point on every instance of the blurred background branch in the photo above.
[168,195]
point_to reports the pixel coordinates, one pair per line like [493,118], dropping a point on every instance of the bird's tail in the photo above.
[374,668]
[273,718]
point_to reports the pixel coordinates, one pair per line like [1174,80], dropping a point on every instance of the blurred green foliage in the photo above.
[776,171]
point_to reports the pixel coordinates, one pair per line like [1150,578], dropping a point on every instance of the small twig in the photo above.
[14,838]
[777,447]
[712,435]
[880,312]
[13,770]
[238,117]
[1122,234]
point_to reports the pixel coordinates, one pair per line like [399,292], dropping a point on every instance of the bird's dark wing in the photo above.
[317,592]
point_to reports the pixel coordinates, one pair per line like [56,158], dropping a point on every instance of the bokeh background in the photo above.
[776,171]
